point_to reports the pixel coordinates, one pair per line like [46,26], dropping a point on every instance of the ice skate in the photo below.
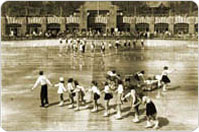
[118,116]
[105,114]
[156,126]
[94,110]
[71,106]
[136,120]
[77,109]
[61,103]
[148,125]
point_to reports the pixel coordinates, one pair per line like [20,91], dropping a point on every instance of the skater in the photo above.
[79,90]
[139,77]
[92,46]
[61,90]
[151,113]
[74,45]
[125,43]
[119,92]
[83,45]
[43,81]
[81,48]
[69,43]
[165,79]
[134,43]
[110,45]
[96,96]
[107,97]
[71,92]
[142,43]
[127,85]
[135,102]
[117,44]
[61,46]
[102,48]
[129,43]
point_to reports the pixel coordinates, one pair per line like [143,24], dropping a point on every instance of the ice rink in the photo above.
[22,60]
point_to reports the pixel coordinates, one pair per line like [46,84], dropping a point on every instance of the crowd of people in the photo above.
[90,34]
[119,89]
[82,45]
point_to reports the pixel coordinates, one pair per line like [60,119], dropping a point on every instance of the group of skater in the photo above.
[82,45]
[121,90]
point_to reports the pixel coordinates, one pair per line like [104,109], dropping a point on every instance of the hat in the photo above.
[146,99]
[61,79]
[41,72]
[166,67]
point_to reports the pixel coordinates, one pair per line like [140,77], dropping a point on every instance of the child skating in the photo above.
[78,90]
[107,97]
[135,102]
[71,92]
[96,95]
[61,90]
[165,79]
[119,102]
[151,113]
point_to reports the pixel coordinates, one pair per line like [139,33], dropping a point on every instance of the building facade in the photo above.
[100,16]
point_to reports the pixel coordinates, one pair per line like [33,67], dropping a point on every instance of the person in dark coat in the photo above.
[151,113]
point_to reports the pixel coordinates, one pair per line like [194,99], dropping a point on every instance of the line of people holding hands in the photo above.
[116,88]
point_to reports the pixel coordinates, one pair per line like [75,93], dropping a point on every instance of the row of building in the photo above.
[101,23]
[104,18]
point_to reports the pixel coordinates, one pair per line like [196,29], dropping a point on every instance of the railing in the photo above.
[170,19]
[126,19]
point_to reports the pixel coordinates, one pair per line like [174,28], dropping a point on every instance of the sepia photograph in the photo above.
[99,66]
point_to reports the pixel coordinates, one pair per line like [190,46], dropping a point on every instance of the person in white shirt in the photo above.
[164,77]
[71,92]
[81,47]
[96,95]
[61,90]
[74,45]
[136,101]
[80,92]
[119,91]
[117,44]
[110,45]
[40,33]
[69,43]
[34,33]
[92,46]
[11,33]
[108,95]
[43,81]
